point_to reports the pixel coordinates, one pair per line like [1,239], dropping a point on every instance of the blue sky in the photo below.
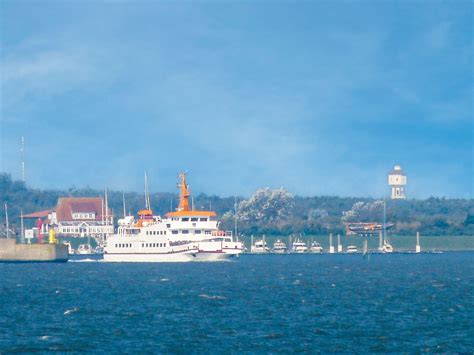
[322,98]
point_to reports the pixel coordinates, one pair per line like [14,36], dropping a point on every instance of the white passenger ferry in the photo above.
[183,235]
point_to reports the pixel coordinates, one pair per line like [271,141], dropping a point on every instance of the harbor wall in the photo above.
[11,251]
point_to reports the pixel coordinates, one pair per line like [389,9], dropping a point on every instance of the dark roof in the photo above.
[68,205]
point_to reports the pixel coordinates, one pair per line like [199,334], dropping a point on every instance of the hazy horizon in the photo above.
[322,98]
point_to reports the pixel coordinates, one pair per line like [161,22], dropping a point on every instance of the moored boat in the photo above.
[259,247]
[316,248]
[386,247]
[299,247]
[84,249]
[351,249]
[279,247]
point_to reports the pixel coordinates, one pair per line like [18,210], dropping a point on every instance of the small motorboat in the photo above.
[279,247]
[351,249]
[299,247]
[84,249]
[260,246]
[316,248]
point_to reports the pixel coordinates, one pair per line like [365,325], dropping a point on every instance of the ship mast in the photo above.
[147,194]
[384,221]
[123,201]
[184,193]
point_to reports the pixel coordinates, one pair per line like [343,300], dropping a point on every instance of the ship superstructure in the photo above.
[182,235]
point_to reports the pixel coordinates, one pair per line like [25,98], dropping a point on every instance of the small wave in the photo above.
[57,291]
[296,282]
[164,280]
[45,337]
[273,336]
[70,311]
[215,297]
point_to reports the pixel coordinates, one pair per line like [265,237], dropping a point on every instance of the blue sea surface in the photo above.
[259,303]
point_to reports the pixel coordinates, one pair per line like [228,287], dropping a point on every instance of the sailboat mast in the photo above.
[6,220]
[22,227]
[235,216]
[384,219]
[106,208]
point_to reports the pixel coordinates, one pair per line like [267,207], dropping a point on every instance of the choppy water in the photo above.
[338,303]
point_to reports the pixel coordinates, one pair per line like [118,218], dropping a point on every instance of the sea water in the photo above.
[259,303]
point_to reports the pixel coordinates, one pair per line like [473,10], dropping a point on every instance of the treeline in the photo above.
[271,212]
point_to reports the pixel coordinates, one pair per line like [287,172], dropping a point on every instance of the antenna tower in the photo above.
[22,152]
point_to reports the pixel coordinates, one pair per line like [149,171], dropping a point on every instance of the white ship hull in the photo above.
[183,257]
[150,257]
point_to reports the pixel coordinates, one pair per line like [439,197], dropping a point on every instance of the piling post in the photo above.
[417,248]
[380,241]
[331,247]
[339,245]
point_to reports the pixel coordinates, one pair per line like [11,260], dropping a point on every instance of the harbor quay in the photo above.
[12,251]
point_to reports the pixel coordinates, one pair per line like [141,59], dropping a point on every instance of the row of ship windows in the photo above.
[144,245]
[153,245]
[193,219]
[185,231]
[155,232]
